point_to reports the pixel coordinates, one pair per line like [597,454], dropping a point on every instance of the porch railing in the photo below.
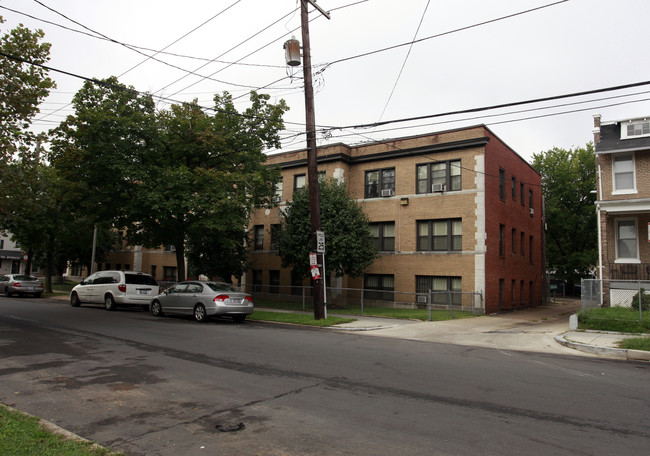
[629,271]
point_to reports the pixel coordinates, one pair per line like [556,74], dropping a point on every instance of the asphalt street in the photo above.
[171,386]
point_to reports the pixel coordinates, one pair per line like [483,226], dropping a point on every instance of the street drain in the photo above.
[230,428]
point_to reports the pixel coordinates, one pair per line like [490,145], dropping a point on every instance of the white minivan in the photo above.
[115,288]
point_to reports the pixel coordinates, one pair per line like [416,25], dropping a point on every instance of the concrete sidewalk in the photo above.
[542,329]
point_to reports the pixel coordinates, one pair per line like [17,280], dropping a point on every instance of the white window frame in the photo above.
[616,239]
[625,125]
[624,191]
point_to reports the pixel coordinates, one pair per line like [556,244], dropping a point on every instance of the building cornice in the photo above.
[628,205]
[392,154]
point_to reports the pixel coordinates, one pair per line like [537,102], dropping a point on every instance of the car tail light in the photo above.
[17,284]
[220,298]
[249,299]
[122,288]
[40,285]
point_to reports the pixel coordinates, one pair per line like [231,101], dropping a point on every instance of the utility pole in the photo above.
[312,166]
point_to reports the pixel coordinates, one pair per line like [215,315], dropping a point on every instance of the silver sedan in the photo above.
[203,300]
[21,284]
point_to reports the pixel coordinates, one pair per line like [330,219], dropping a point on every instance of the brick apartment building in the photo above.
[457,210]
[622,150]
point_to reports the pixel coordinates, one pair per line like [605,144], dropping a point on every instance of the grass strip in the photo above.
[636,343]
[23,435]
[298,319]
[619,319]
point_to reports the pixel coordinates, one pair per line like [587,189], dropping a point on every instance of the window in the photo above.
[514,188]
[380,182]
[627,245]
[530,199]
[443,289]
[444,175]
[502,184]
[632,129]
[169,273]
[512,293]
[521,190]
[275,229]
[257,280]
[530,250]
[274,281]
[258,243]
[296,283]
[521,245]
[502,240]
[379,286]
[514,241]
[153,271]
[299,181]
[2,243]
[521,292]
[501,285]
[623,172]
[440,235]
[383,236]
[278,190]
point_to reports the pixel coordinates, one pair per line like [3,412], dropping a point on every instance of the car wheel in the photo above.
[7,292]
[238,318]
[74,300]
[199,313]
[109,302]
[156,309]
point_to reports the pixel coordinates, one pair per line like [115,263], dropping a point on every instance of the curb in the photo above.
[359,328]
[616,353]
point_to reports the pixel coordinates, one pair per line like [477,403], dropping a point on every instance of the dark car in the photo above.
[21,284]
[203,300]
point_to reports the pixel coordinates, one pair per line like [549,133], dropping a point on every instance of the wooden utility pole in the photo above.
[312,166]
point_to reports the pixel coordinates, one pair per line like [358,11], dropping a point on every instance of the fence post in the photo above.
[472,303]
[451,304]
[362,292]
[640,304]
[303,299]
[429,304]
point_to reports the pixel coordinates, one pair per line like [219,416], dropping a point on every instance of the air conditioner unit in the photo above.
[438,188]
[532,211]
[387,192]
[277,199]
[422,298]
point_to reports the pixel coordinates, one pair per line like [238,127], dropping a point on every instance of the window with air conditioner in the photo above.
[444,176]
[380,182]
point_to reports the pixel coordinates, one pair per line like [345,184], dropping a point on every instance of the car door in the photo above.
[171,301]
[190,296]
[86,288]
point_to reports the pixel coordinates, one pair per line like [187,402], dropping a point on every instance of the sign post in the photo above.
[320,248]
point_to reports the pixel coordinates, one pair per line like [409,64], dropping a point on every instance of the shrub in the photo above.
[645,300]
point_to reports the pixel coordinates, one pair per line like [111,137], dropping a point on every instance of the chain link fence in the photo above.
[633,294]
[359,301]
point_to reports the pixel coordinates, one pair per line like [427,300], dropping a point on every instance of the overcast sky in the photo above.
[554,49]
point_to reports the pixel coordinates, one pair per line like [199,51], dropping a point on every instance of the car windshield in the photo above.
[25,277]
[140,279]
[218,286]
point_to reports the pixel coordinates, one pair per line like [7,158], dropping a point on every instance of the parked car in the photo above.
[21,284]
[203,300]
[115,288]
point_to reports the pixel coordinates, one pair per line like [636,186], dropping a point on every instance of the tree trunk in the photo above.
[180,261]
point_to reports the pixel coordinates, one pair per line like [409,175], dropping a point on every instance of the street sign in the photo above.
[312,260]
[320,242]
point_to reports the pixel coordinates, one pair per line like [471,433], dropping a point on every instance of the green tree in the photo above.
[104,149]
[568,185]
[23,86]
[205,178]
[349,249]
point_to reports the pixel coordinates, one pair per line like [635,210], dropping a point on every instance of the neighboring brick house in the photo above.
[623,198]
[456,210]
